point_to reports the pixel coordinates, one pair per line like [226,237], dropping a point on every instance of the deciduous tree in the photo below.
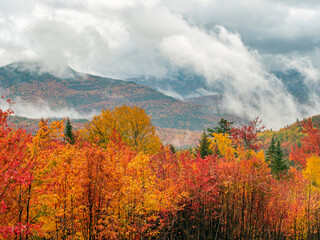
[133,124]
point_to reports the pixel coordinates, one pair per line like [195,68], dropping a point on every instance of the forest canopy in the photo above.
[110,183]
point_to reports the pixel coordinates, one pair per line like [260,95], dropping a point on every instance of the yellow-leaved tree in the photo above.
[312,171]
[132,123]
[222,143]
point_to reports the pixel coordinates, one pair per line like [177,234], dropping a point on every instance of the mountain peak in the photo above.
[37,67]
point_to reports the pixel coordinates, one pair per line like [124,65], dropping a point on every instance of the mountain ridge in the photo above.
[86,92]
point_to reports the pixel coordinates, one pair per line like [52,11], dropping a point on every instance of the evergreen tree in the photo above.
[279,164]
[275,158]
[271,150]
[69,136]
[204,145]
[172,148]
[224,126]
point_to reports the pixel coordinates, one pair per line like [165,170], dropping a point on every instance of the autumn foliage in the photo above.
[114,186]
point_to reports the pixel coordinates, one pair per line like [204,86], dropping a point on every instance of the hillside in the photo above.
[289,135]
[86,93]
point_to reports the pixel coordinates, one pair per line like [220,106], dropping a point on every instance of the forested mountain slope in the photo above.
[88,93]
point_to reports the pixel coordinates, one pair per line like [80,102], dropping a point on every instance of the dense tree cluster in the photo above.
[109,184]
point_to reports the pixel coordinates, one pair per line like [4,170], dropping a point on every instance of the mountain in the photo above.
[295,83]
[32,82]
[181,85]
[214,101]
[186,86]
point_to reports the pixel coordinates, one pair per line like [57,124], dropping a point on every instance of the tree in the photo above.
[275,158]
[222,145]
[247,136]
[278,165]
[310,144]
[271,150]
[204,145]
[224,126]
[132,123]
[172,148]
[16,178]
[69,135]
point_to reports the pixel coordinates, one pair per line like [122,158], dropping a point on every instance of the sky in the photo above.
[240,42]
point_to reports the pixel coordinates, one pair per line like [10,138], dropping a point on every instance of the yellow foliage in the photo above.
[46,135]
[260,155]
[223,142]
[312,171]
[133,124]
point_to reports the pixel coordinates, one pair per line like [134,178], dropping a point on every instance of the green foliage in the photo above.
[68,133]
[223,127]
[204,145]
[271,150]
[275,158]
[280,165]
[172,148]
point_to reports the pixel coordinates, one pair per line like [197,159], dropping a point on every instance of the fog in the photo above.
[238,43]
[41,109]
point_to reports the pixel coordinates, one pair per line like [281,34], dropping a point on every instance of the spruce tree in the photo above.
[69,136]
[271,150]
[224,126]
[279,164]
[275,158]
[204,145]
[172,148]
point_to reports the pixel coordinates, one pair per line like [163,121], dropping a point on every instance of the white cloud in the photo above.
[236,42]
[42,109]
[250,91]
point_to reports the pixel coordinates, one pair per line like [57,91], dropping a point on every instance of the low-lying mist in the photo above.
[42,109]
[250,89]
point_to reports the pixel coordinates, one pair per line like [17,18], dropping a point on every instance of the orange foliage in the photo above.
[51,189]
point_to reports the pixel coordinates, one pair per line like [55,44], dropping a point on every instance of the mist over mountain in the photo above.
[181,85]
[187,85]
[39,92]
[286,87]
[263,57]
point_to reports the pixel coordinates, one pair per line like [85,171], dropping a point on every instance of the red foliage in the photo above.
[15,177]
[247,135]
[310,144]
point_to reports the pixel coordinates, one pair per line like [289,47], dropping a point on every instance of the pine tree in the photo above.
[224,126]
[69,136]
[204,145]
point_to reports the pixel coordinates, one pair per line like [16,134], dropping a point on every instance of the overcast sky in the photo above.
[127,38]
[240,41]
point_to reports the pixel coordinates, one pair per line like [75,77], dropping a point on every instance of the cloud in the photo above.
[220,55]
[249,89]
[236,43]
[271,26]
[42,109]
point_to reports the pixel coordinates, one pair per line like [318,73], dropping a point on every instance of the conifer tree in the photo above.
[271,151]
[69,136]
[172,148]
[279,164]
[275,158]
[224,126]
[204,145]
